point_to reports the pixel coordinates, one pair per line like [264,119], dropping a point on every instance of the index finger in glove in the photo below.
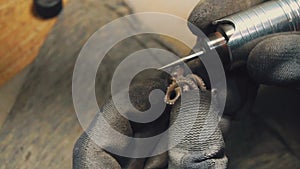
[201,145]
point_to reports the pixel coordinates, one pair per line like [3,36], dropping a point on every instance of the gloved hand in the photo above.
[272,60]
[88,155]
[204,149]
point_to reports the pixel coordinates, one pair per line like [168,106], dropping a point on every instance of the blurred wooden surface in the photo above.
[42,127]
[9,92]
[174,7]
[22,34]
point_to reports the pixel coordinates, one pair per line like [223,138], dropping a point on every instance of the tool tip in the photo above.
[193,56]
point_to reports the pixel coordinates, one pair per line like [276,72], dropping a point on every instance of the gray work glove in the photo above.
[88,155]
[202,146]
[272,60]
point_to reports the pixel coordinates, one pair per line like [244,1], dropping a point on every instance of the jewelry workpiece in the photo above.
[181,83]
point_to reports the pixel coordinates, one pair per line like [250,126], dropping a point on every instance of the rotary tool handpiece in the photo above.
[238,29]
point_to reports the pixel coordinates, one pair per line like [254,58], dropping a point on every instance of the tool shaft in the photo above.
[261,20]
[264,19]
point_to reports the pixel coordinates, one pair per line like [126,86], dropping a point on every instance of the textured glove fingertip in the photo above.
[276,61]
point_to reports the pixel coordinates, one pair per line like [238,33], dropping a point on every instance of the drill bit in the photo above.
[186,58]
